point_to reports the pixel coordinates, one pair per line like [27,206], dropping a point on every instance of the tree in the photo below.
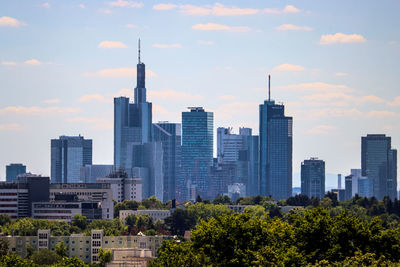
[71,262]
[45,257]
[105,256]
[131,220]
[4,219]
[153,203]
[180,221]
[13,260]
[61,249]
[80,221]
[4,246]
[29,250]
[222,200]
[198,199]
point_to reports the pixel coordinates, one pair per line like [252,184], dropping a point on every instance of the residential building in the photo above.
[13,170]
[90,173]
[68,155]
[379,163]
[197,151]
[170,135]
[313,178]
[276,149]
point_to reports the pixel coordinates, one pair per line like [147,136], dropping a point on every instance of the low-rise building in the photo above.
[154,214]
[123,187]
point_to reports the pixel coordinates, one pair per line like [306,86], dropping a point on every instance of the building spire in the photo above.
[269,87]
[139,52]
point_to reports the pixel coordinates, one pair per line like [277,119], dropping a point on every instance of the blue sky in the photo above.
[334,64]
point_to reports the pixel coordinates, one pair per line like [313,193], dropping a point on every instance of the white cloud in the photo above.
[206,42]
[167,45]
[287,9]
[11,127]
[117,73]
[8,63]
[33,62]
[172,95]
[82,6]
[395,102]
[164,6]
[123,3]
[38,111]
[288,67]
[322,130]
[340,74]
[382,114]
[10,22]
[112,44]
[317,87]
[220,27]
[51,101]
[131,26]
[341,38]
[105,11]
[291,27]
[46,5]
[370,99]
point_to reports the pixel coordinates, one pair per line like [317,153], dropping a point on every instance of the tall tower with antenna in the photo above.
[275,174]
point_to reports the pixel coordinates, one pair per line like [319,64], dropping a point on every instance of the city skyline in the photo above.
[338,97]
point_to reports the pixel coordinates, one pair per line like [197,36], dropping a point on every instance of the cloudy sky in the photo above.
[334,64]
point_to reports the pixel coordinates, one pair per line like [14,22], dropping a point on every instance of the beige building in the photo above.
[84,247]
[130,257]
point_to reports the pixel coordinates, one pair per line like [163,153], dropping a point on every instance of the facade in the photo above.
[348,185]
[220,176]
[228,145]
[16,198]
[132,121]
[13,170]
[154,214]
[83,247]
[313,178]
[170,135]
[90,173]
[96,192]
[68,155]
[197,151]
[123,187]
[378,163]
[276,150]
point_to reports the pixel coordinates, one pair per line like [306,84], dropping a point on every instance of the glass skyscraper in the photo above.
[132,121]
[170,134]
[13,170]
[275,151]
[68,155]
[313,178]
[197,150]
[379,163]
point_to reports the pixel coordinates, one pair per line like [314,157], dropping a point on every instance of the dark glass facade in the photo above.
[379,163]
[197,150]
[313,178]
[13,170]
[275,151]
[68,155]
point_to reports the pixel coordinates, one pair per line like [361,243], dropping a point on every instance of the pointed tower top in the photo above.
[269,87]
[139,52]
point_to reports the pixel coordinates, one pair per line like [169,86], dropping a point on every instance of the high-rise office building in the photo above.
[197,150]
[275,150]
[13,170]
[68,155]
[313,178]
[90,173]
[379,163]
[170,135]
[132,121]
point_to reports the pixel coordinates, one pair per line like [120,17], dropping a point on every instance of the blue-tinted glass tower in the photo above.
[313,178]
[13,170]
[197,151]
[276,150]
[170,135]
[132,121]
[68,155]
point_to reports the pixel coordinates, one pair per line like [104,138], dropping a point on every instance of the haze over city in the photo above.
[332,65]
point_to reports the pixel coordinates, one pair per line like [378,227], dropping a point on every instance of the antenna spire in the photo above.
[139,52]
[269,87]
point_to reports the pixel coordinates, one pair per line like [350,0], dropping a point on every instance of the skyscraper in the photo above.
[170,135]
[313,178]
[275,150]
[132,121]
[13,170]
[197,150]
[68,155]
[379,163]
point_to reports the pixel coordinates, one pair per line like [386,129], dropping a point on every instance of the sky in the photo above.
[334,65]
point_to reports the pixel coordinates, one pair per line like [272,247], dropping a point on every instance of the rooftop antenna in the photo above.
[139,52]
[269,87]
